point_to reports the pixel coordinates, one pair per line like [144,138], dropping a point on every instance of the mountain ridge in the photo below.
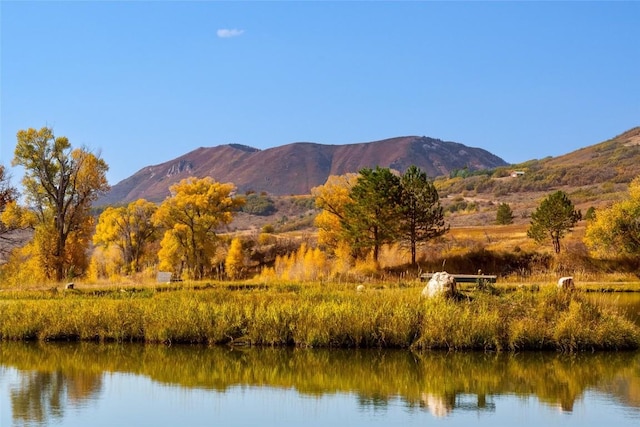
[297,167]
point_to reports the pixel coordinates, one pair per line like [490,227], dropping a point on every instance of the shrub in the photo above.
[260,205]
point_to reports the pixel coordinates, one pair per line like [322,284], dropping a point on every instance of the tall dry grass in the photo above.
[323,315]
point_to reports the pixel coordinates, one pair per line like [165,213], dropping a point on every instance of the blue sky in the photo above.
[143,82]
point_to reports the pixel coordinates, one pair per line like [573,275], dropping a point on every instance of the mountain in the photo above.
[593,177]
[597,170]
[296,168]
[616,160]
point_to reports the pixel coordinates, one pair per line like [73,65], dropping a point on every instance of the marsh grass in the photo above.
[322,315]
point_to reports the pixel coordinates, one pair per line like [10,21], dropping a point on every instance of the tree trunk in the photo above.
[414,238]
[59,258]
[413,252]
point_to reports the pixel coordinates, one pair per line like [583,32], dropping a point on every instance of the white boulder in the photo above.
[566,283]
[440,284]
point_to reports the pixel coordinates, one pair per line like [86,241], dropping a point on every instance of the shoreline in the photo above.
[324,316]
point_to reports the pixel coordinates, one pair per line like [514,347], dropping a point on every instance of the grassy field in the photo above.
[319,315]
[524,311]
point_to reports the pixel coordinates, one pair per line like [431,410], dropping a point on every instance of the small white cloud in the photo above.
[225,33]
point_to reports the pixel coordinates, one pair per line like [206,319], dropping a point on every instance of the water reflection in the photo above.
[42,396]
[53,377]
[627,303]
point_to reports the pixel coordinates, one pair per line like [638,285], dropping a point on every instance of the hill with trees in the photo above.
[593,176]
[616,161]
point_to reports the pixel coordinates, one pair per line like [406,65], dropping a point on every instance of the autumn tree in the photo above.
[60,183]
[554,217]
[371,218]
[234,262]
[616,230]
[16,217]
[332,197]
[306,264]
[191,217]
[23,264]
[8,195]
[35,261]
[130,229]
[422,217]
[504,215]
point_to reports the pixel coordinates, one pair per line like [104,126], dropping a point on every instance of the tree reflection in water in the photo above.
[53,376]
[41,396]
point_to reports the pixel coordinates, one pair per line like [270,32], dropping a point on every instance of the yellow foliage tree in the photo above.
[191,217]
[130,229]
[172,255]
[7,192]
[307,264]
[234,262]
[616,230]
[8,195]
[35,263]
[105,263]
[343,260]
[332,197]
[23,268]
[17,217]
[76,255]
[60,183]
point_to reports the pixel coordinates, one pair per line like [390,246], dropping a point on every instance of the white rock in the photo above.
[441,283]
[566,283]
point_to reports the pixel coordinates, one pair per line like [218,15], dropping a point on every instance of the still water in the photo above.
[626,303]
[149,385]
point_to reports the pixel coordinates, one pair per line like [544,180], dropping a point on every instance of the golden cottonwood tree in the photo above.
[332,197]
[129,228]
[306,263]
[24,264]
[616,230]
[234,262]
[60,183]
[16,217]
[35,261]
[6,191]
[106,262]
[191,216]
[8,195]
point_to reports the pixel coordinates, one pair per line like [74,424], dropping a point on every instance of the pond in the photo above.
[627,303]
[86,384]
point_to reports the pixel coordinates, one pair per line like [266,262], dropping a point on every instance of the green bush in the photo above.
[260,205]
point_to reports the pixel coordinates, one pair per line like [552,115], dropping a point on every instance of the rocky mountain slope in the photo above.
[298,167]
